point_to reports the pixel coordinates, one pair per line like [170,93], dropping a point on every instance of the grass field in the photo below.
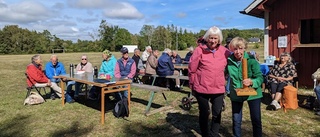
[79,119]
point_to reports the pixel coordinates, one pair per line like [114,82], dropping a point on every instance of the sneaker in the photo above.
[271,107]
[72,101]
[53,97]
[276,104]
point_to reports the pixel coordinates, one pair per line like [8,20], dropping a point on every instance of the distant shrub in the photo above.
[256,46]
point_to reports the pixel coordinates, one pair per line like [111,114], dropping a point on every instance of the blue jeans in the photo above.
[77,87]
[255,115]
[317,90]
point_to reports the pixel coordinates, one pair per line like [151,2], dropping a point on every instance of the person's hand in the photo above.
[55,77]
[247,82]
[64,79]
[49,83]
[281,79]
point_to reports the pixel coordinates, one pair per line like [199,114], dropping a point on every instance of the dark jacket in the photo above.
[165,65]
[188,56]
[177,59]
[136,60]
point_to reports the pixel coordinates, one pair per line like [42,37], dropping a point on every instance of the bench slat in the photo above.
[149,87]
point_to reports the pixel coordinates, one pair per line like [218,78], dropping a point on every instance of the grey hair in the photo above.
[286,54]
[214,31]
[167,50]
[34,58]
[84,55]
[136,50]
[191,48]
[53,56]
[148,47]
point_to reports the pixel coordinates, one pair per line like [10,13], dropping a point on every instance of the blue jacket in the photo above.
[54,71]
[177,59]
[165,65]
[108,67]
[125,70]
[188,56]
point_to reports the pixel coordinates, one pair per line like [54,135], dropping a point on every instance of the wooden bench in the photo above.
[153,90]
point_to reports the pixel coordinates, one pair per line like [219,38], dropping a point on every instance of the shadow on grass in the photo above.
[17,126]
[74,130]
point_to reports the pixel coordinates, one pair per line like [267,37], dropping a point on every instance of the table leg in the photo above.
[129,96]
[102,106]
[62,92]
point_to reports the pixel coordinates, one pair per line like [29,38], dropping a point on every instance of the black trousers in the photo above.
[204,112]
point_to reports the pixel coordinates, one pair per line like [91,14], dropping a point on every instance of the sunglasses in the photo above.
[83,59]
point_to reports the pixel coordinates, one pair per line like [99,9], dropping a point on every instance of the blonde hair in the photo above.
[214,31]
[238,42]
[286,54]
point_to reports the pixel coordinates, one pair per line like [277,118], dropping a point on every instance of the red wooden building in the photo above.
[291,26]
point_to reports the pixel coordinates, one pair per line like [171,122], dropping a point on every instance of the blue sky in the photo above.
[76,19]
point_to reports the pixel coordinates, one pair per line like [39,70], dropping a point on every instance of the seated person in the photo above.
[146,53]
[151,65]
[254,54]
[317,90]
[138,61]
[107,67]
[39,79]
[55,68]
[166,68]
[85,66]
[152,62]
[176,59]
[125,68]
[188,55]
[280,76]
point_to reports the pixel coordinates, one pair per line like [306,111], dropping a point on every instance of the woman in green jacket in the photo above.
[254,80]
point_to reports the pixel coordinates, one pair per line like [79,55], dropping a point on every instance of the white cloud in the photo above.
[24,12]
[123,11]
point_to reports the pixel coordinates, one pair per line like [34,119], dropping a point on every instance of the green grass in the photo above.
[77,119]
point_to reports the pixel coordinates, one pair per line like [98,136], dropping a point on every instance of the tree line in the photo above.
[16,40]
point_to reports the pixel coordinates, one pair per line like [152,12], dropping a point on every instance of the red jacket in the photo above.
[36,75]
[206,69]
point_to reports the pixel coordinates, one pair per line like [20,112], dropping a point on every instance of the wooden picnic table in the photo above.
[115,85]
[181,66]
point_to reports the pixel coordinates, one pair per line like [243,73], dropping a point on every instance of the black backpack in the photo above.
[121,108]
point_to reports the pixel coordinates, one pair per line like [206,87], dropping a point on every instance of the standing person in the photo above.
[39,79]
[254,80]
[206,79]
[107,67]
[146,53]
[125,68]
[280,76]
[85,66]
[166,68]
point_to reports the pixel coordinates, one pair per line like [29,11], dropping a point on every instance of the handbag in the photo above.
[33,99]
[289,99]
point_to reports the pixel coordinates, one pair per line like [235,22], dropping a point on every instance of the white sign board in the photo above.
[282,41]
[131,47]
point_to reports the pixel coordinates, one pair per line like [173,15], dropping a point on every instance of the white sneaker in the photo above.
[276,104]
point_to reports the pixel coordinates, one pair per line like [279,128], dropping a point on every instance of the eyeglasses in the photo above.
[83,59]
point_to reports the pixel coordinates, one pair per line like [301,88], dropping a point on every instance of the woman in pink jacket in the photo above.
[207,80]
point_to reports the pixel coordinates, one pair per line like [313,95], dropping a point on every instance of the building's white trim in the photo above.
[252,6]
[266,35]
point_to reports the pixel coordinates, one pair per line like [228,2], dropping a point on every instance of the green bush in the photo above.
[256,46]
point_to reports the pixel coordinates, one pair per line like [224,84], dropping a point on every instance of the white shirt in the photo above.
[145,55]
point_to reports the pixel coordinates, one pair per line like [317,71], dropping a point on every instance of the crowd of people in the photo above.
[213,70]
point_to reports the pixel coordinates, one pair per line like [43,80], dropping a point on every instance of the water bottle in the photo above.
[71,70]
[95,72]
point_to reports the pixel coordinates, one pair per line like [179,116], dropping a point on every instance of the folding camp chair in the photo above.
[38,89]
